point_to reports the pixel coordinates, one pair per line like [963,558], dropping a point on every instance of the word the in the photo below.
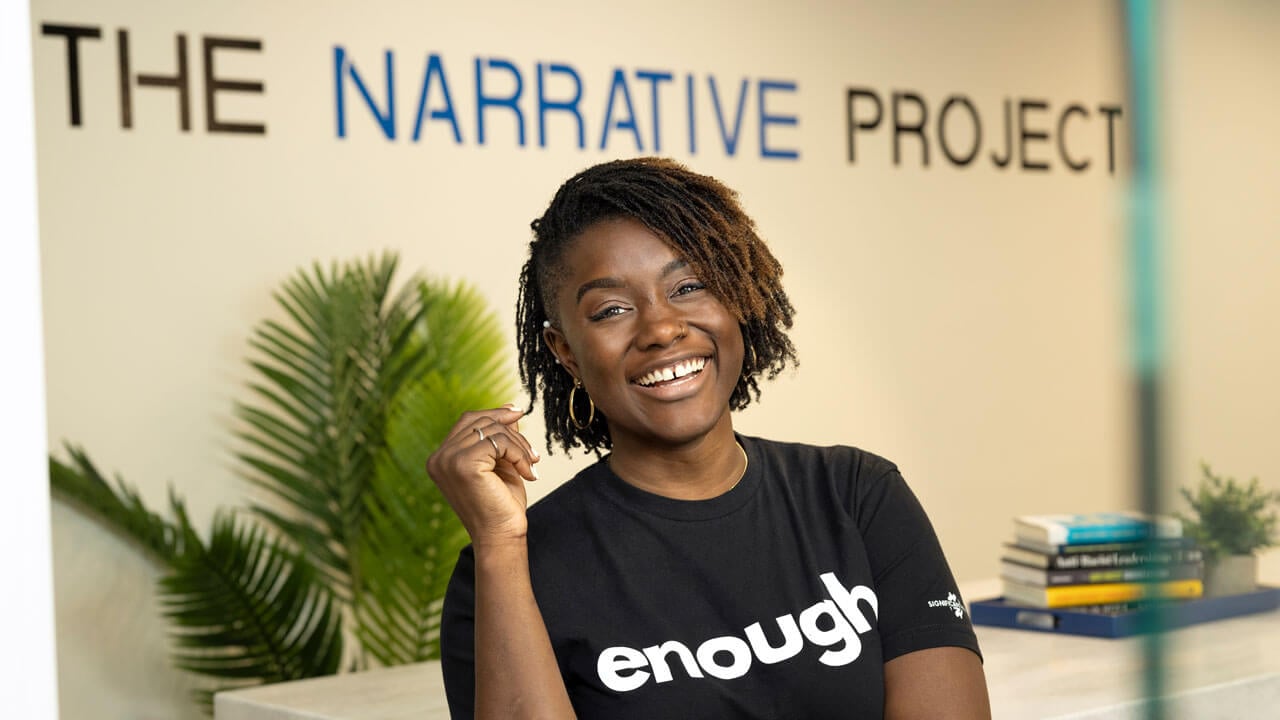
[179,81]
[1026,129]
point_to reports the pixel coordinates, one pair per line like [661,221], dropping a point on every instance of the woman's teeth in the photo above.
[679,370]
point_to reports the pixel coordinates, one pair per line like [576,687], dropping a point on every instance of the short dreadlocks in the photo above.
[703,223]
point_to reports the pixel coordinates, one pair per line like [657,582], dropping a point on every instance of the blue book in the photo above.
[1114,621]
[1108,527]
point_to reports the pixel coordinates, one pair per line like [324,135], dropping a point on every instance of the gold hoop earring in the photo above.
[755,363]
[573,417]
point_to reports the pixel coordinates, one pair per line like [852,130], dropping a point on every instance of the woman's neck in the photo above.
[703,468]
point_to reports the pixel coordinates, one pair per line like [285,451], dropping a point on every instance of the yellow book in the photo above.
[1099,593]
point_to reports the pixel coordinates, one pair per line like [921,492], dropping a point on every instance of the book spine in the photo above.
[1158,545]
[1095,528]
[1104,534]
[1140,573]
[1154,544]
[1068,595]
[1123,558]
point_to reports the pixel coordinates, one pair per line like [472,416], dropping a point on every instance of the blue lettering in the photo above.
[485,101]
[620,81]
[730,139]
[386,120]
[693,130]
[436,67]
[569,106]
[766,120]
[654,78]
[560,90]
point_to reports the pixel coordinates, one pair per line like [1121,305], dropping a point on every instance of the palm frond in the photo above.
[121,509]
[459,337]
[246,609]
[351,393]
[322,393]
[412,538]
[242,609]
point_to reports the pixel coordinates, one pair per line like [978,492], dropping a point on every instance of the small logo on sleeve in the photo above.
[952,602]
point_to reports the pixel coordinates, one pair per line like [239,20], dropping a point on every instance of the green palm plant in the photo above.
[349,395]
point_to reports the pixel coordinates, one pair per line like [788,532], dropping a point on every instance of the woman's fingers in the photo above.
[495,434]
[506,446]
[470,419]
[514,423]
[481,467]
[499,429]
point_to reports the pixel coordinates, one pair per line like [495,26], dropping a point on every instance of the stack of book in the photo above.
[1059,561]
[1097,575]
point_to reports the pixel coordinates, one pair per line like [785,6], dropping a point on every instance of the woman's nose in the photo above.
[661,324]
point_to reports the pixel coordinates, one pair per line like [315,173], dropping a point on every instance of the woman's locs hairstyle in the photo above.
[703,223]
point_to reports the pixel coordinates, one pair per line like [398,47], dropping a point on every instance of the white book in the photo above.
[1095,528]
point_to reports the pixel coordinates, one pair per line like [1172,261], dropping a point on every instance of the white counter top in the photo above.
[1225,669]
[408,692]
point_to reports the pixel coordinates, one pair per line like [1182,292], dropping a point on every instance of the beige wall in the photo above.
[1223,159]
[968,323]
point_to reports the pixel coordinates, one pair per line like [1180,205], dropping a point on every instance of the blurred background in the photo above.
[948,187]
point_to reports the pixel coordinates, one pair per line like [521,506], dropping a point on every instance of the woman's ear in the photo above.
[560,348]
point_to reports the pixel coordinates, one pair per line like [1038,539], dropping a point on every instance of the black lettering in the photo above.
[126,86]
[942,130]
[899,128]
[73,34]
[1024,134]
[213,84]
[854,94]
[1008,137]
[1112,112]
[177,81]
[1062,137]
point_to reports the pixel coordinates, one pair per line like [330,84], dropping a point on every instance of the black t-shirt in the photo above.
[780,599]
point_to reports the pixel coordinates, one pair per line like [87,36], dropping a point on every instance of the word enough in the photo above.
[623,669]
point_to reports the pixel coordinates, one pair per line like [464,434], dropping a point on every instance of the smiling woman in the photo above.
[691,571]
[634,324]
[701,229]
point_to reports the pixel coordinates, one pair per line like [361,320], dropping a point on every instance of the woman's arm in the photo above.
[942,683]
[516,671]
[481,468]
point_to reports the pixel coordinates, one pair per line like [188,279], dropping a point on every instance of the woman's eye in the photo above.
[691,286]
[607,312]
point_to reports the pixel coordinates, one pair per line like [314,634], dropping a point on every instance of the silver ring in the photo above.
[480,433]
[494,443]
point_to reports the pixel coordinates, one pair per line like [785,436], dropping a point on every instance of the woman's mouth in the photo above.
[671,373]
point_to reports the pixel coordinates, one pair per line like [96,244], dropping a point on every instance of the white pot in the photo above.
[1231,575]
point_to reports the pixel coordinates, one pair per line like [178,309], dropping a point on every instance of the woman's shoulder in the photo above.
[808,458]
[846,479]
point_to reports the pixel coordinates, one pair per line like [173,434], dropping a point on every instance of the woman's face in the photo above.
[656,351]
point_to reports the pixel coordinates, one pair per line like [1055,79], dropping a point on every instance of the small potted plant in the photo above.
[1230,523]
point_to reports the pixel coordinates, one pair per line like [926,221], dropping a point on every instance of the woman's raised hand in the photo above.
[481,468]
